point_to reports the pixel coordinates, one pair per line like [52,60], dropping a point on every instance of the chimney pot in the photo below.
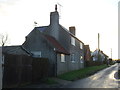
[72,29]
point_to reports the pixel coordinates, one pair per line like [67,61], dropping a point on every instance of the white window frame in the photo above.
[37,54]
[73,58]
[73,41]
[81,45]
[81,59]
[62,57]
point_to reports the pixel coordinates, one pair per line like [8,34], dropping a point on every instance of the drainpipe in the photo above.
[55,62]
[56,65]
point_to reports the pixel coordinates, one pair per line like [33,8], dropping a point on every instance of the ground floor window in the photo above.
[73,57]
[62,57]
[81,59]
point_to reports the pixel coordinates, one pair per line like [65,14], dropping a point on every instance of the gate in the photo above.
[40,68]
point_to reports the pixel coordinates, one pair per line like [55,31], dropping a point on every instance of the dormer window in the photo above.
[73,41]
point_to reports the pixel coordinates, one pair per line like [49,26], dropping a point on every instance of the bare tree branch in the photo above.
[3,39]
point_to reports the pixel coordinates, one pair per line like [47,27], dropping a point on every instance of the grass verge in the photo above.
[50,81]
[82,73]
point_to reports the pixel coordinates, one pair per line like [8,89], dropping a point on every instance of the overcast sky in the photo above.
[90,17]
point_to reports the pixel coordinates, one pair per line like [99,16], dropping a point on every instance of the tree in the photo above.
[3,39]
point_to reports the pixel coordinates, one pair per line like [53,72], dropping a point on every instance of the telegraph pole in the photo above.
[98,41]
[111,53]
[98,45]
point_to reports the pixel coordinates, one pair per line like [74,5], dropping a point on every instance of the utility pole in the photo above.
[98,45]
[111,53]
[98,41]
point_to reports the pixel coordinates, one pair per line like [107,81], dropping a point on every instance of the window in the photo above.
[73,57]
[81,45]
[62,56]
[36,53]
[73,41]
[81,59]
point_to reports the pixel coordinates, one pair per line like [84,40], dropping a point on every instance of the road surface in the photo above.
[107,78]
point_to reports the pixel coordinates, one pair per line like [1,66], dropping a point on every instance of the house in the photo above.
[98,55]
[87,53]
[63,49]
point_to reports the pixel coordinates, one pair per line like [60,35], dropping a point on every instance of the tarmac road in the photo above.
[107,78]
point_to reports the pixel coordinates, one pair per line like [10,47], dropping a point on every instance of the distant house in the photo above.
[98,55]
[63,49]
[87,53]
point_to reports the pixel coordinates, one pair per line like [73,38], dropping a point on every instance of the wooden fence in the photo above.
[20,70]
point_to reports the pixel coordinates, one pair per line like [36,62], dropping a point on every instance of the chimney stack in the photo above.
[72,29]
[54,24]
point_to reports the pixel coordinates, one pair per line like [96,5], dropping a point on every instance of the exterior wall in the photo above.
[65,41]
[78,53]
[62,67]
[36,42]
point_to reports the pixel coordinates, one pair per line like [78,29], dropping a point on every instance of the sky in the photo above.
[90,17]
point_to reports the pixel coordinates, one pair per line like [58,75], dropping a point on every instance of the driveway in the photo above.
[107,78]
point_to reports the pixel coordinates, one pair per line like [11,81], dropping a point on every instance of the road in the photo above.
[106,78]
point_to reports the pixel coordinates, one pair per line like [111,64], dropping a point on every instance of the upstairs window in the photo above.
[81,45]
[62,57]
[72,57]
[73,41]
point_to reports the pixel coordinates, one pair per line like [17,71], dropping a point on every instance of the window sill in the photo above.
[73,61]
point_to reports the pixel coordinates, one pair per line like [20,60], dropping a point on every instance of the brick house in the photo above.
[87,53]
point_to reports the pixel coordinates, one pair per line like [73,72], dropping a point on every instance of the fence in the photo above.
[21,69]
[39,69]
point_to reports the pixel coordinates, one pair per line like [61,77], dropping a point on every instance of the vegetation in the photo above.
[50,81]
[82,73]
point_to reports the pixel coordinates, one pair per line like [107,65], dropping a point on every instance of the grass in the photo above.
[82,73]
[50,81]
